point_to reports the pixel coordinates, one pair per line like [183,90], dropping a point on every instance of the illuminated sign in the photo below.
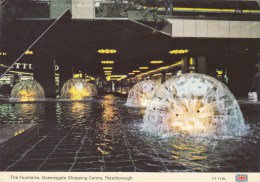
[27,66]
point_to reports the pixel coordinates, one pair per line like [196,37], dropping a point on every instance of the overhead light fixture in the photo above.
[179,51]
[107,71]
[108,74]
[3,53]
[158,74]
[107,51]
[143,68]
[107,68]
[107,62]
[136,71]
[156,62]
[28,52]
[116,77]
[131,73]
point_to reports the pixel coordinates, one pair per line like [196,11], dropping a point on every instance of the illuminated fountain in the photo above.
[194,104]
[28,90]
[141,93]
[76,89]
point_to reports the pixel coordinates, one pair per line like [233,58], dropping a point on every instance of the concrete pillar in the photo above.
[44,65]
[258,58]
[201,64]
[184,65]
[163,77]
[192,65]
[65,75]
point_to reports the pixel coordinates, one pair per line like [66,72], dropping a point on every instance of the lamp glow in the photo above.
[156,62]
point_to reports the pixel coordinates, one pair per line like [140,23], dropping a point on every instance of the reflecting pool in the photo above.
[105,135]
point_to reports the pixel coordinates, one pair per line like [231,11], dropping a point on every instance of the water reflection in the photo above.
[108,126]
[77,107]
[191,154]
[20,113]
[109,109]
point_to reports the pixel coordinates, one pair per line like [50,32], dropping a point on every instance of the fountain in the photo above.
[76,89]
[28,90]
[141,93]
[194,104]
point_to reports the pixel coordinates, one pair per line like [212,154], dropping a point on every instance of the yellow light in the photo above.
[219,72]
[143,68]
[117,76]
[107,71]
[156,62]
[78,92]
[107,51]
[136,71]
[107,62]
[77,75]
[107,74]
[27,95]
[160,69]
[131,73]
[158,74]
[179,51]
[28,52]
[107,68]
[191,116]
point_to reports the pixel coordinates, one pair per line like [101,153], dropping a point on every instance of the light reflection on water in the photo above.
[113,131]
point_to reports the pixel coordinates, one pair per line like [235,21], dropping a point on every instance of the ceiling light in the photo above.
[156,62]
[136,71]
[143,68]
[28,52]
[131,73]
[158,74]
[107,62]
[3,53]
[107,71]
[179,51]
[107,51]
[107,68]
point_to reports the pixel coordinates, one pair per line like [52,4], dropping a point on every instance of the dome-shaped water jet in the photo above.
[141,93]
[194,104]
[27,90]
[76,89]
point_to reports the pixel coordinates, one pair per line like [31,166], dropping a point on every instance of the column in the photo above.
[184,65]
[192,65]
[163,75]
[201,64]
[44,65]
[65,74]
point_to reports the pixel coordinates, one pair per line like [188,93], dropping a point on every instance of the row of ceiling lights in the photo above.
[108,70]
[28,52]
[113,51]
[107,62]
[107,51]
[3,54]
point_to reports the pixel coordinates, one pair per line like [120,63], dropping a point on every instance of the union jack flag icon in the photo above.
[241,178]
